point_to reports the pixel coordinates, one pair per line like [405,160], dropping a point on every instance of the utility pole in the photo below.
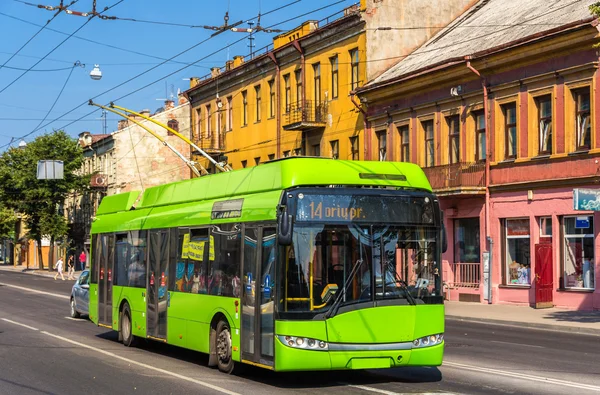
[251,39]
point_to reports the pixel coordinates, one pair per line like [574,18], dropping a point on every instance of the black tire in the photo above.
[225,362]
[74,312]
[126,327]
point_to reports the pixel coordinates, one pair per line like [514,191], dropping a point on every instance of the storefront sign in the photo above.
[586,199]
[582,222]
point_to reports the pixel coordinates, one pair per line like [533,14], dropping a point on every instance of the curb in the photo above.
[520,324]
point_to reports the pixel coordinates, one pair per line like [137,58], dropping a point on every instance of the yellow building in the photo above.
[296,97]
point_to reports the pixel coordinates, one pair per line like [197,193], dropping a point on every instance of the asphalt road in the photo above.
[43,351]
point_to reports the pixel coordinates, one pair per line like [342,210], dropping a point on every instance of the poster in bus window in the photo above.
[185,246]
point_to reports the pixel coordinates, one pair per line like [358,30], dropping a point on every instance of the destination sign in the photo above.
[227,209]
[364,208]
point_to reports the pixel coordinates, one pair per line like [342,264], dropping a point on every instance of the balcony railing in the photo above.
[465,275]
[213,143]
[456,176]
[305,115]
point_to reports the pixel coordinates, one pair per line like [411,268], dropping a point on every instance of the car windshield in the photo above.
[392,263]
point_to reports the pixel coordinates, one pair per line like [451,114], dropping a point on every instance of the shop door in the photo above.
[258,297]
[105,280]
[543,276]
[156,309]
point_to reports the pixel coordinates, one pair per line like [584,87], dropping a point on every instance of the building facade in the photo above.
[506,123]
[128,159]
[296,97]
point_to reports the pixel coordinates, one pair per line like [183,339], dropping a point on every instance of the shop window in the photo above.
[480,143]
[404,144]
[544,104]
[517,261]
[583,118]
[510,130]
[466,240]
[578,255]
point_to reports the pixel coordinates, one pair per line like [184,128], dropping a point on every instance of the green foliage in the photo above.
[40,200]
[7,222]
[595,9]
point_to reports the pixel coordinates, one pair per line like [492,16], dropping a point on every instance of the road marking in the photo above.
[143,365]
[371,389]
[517,344]
[540,379]
[18,323]
[36,291]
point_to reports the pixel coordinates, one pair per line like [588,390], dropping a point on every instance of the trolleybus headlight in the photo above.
[416,343]
[322,345]
[428,341]
[433,339]
[311,342]
[304,342]
[299,341]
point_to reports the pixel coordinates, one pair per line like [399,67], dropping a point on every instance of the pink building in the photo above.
[506,123]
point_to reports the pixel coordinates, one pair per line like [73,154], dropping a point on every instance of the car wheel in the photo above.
[223,346]
[74,312]
[126,332]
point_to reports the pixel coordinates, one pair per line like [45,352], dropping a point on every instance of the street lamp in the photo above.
[96,74]
[22,144]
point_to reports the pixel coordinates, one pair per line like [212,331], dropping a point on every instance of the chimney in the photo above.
[194,81]
[228,65]
[215,71]
[238,60]
[122,124]
[182,100]
[85,139]
[169,104]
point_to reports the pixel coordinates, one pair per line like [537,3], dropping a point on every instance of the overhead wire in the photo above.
[38,32]
[57,46]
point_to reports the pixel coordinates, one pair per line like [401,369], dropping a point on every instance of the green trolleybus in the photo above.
[295,264]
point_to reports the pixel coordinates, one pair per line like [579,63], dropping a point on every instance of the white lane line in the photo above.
[18,323]
[370,389]
[36,291]
[546,380]
[517,344]
[143,365]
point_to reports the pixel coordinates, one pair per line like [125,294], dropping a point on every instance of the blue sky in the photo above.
[25,103]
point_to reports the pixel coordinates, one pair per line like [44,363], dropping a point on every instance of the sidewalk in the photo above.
[37,272]
[586,322]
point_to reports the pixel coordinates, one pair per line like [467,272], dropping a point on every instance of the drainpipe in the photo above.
[486,113]
[367,154]
[271,56]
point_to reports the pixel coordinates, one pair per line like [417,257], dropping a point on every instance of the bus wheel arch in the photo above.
[220,344]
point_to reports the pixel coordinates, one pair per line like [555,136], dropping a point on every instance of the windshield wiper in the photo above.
[404,287]
[338,300]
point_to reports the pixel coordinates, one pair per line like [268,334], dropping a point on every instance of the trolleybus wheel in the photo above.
[224,360]
[128,338]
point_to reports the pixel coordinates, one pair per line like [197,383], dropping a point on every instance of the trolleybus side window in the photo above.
[224,260]
[192,261]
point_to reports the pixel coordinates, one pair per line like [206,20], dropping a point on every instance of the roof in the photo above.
[98,137]
[487,25]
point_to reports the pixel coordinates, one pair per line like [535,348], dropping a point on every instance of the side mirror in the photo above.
[285,228]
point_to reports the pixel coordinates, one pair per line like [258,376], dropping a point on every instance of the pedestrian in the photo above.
[71,267]
[59,269]
[82,260]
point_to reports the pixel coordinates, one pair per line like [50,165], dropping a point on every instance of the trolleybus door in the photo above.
[258,297]
[158,260]
[105,279]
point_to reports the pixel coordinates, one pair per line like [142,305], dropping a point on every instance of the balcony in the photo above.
[214,143]
[304,116]
[457,178]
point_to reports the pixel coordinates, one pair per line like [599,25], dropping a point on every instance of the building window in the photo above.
[404,143]
[544,104]
[429,148]
[578,258]
[545,229]
[286,154]
[271,156]
[298,76]
[335,149]
[229,113]
[480,146]
[583,118]
[454,138]
[173,124]
[257,161]
[316,150]
[244,108]
[517,257]
[244,164]
[334,77]
[354,68]
[288,92]
[381,144]
[258,102]
[510,130]
[354,154]
[208,122]
[271,99]
[198,123]
[317,83]
[466,241]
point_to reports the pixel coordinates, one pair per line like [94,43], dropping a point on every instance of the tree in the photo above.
[40,200]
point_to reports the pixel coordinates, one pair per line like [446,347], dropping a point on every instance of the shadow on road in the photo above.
[574,316]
